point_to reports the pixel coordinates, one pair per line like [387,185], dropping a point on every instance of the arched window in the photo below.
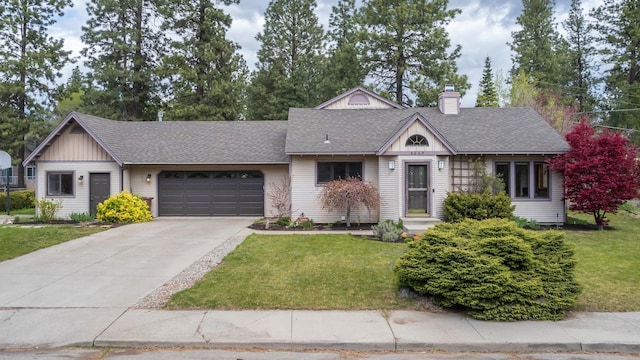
[417,140]
[358,99]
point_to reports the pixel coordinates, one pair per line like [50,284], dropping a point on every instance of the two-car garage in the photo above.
[211,193]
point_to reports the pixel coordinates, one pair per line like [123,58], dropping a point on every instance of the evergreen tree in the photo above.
[344,68]
[289,60]
[617,27]
[406,46]
[30,63]
[487,93]
[122,50]
[205,72]
[538,48]
[69,95]
[581,51]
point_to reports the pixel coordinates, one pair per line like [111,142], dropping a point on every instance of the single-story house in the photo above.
[414,156]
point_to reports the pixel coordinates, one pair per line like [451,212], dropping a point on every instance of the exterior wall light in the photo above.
[440,164]
[80,179]
[148,178]
[392,164]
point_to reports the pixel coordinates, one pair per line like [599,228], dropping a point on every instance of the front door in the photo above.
[417,190]
[99,189]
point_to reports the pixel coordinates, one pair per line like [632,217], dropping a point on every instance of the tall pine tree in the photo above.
[407,49]
[289,60]
[487,93]
[30,64]
[581,52]
[618,32]
[206,75]
[344,68]
[123,56]
[538,49]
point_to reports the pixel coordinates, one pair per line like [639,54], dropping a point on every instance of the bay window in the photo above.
[524,179]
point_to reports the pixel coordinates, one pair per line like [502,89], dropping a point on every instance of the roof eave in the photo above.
[493,152]
[135,163]
[315,153]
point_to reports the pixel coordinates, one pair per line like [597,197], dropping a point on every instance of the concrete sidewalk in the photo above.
[283,329]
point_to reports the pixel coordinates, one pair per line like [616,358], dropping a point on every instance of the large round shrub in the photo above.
[493,269]
[124,208]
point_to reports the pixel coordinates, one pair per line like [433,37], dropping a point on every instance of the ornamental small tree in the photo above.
[600,172]
[349,194]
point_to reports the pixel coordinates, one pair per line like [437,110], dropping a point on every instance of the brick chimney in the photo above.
[449,101]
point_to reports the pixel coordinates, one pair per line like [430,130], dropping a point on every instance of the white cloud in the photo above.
[482,32]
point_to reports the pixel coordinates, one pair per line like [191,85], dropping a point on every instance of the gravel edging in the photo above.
[185,279]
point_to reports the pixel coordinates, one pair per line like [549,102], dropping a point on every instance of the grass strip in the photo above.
[318,272]
[16,241]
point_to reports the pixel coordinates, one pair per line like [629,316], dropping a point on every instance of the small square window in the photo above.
[60,184]
[31,172]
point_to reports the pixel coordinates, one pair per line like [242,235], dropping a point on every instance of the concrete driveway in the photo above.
[114,268]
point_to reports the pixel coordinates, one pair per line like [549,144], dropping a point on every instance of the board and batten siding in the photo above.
[136,181]
[304,191]
[75,146]
[543,211]
[79,201]
[343,103]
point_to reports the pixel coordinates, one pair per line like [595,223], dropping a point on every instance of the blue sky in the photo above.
[483,29]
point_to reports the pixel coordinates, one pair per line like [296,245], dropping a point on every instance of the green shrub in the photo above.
[124,208]
[81,217]
[21,199]
[388,231]
[493,269]
[48,209]
[460,206]
[525,224]
[284,221]
[308,225]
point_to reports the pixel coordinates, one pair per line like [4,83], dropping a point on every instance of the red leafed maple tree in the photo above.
[601,171]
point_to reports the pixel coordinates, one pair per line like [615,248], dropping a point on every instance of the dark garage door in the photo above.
[211,193]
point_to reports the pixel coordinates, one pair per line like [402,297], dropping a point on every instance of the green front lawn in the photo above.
[608,265]
[16,241]
[300,272]
[348,273]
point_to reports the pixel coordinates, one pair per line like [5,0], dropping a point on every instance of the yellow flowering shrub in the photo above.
[124,208]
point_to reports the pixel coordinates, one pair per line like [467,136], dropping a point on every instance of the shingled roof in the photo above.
[363,131]
[184,142]
[473,131]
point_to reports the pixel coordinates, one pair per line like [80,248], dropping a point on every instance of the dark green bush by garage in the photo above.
[493,269]
[460,206]
[21,199]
